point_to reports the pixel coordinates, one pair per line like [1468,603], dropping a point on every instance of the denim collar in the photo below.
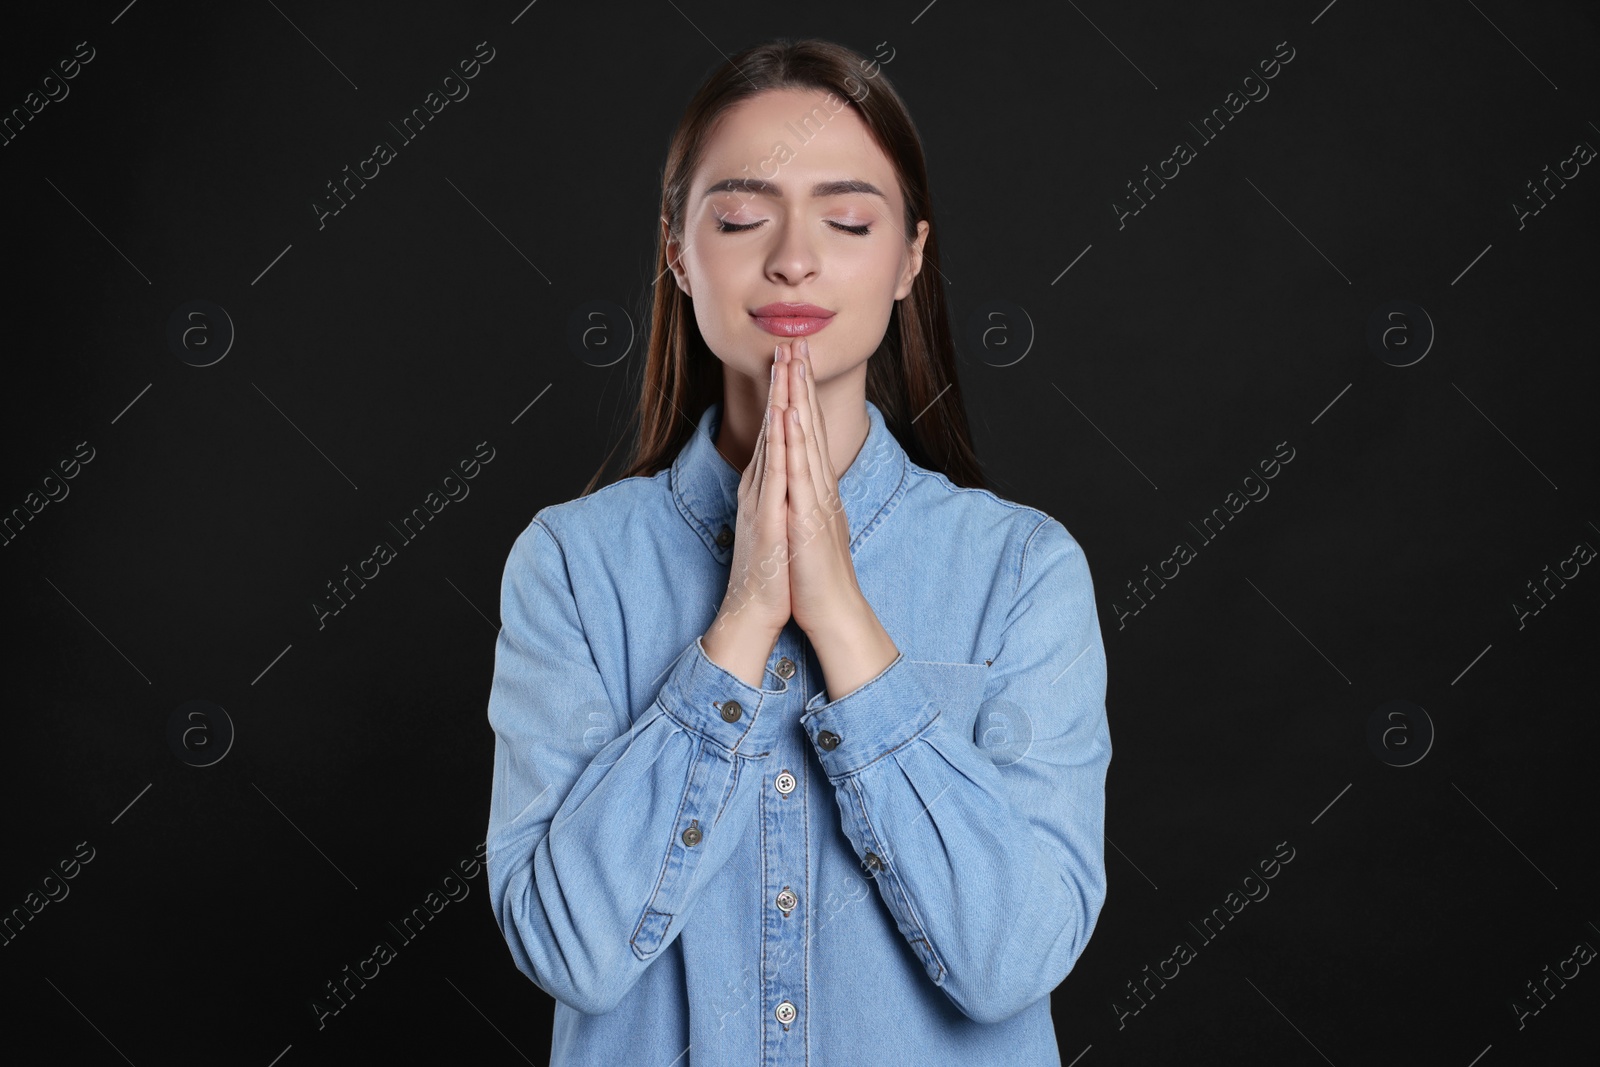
[706,486]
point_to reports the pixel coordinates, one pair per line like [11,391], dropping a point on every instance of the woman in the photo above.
[800,732]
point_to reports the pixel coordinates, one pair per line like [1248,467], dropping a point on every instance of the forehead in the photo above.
[794,137]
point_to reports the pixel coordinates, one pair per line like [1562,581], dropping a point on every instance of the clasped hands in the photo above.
[792,548]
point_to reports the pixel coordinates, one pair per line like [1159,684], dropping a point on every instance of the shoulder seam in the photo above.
[663,472]
[1027,545]
[952,487]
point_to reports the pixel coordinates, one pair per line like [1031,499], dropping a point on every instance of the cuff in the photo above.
[719,705]
[892,708]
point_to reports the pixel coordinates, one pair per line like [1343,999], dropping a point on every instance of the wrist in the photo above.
[739,647]
[852,651]
[851,623]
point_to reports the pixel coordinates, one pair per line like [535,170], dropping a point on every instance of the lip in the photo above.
[791,320]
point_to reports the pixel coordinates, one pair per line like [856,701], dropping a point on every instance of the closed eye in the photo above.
[733,227]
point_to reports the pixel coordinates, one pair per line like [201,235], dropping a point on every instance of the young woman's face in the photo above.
[773,240]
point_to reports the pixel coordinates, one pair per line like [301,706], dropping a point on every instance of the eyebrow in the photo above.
[761,187]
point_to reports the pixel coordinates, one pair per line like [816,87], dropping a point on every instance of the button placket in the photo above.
[784,839]
[784,843]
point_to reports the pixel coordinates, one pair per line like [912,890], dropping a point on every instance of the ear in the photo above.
[913,261]
[675,258]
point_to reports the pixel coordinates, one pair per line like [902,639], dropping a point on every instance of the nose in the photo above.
[793,257]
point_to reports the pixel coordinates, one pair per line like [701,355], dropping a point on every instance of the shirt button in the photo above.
[786,668]
[785,1012]
[691,836]
[871,862]
[785,783]
[725,537]
[828,740]
[731,710]
[786,901]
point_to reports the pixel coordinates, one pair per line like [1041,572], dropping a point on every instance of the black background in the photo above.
[375,352]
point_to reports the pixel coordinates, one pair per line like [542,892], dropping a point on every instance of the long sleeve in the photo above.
[990,859]
[602,831]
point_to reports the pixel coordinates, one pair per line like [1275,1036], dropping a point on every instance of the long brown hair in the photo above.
[913,368]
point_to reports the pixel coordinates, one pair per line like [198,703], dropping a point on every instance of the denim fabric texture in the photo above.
[705,873]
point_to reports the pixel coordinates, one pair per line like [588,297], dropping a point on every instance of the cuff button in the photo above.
[731,711]
[828,740]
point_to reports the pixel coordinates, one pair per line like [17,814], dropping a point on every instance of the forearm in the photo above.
[590,880]
[997,911]
[989,856]
[852,650]
[606,819]
[740,647]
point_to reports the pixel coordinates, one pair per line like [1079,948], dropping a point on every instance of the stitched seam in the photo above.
[894,880]
[805,970]
[668,712]
[943,480]
[884,511]
[577,609]
[683,801]
[686,509]
[852,772]
[727,794]
[860,688]
[1022,566]
[761,918]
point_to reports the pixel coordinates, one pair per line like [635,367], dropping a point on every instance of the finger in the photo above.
[820,462]
[772,379]
[758,456]
[802,491]
[774,412]
[782,383]
[751,473]
[820,427]
[766,420]
[776,467]
[774,474]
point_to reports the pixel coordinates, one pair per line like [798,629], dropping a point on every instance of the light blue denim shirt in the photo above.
[701,872]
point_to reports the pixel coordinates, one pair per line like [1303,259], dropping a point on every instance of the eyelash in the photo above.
[733,227]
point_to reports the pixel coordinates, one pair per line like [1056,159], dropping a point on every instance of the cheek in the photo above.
[720,278]
[878,273]
[873,284]
[869,323]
